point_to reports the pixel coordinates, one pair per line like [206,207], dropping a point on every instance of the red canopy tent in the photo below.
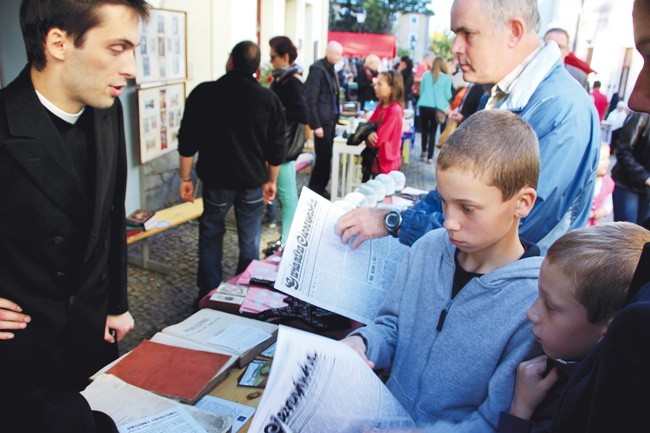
[362,44]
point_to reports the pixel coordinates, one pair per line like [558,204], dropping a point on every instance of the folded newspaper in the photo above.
[321,385]
[318,268]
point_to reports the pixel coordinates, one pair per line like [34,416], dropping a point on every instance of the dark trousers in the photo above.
[320,174]
[429,127]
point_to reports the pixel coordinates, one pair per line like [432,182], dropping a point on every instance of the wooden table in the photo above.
[169,218]
[346,167]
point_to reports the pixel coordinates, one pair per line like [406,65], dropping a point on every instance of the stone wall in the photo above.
[161,181]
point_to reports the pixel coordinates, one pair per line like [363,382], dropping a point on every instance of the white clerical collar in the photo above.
[67,117]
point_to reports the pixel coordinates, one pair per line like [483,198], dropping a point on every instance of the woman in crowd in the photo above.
[365,77]
[289,88]
[388,115]
[435,93]
[405,67]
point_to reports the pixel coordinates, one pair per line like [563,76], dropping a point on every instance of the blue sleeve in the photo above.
[425,216]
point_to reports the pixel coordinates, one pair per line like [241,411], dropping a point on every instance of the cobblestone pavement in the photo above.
[157,300]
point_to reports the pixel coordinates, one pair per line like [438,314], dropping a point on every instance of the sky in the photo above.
[440,21]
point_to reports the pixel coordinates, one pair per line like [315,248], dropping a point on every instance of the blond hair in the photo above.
[438,66]
[496,146]
[372,61]
[599,262]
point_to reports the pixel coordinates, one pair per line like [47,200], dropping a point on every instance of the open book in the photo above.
[217,331]
[321,385]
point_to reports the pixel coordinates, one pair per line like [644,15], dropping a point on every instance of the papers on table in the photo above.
[240,413]
[321,385]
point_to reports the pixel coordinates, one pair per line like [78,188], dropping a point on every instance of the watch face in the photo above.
[392,219]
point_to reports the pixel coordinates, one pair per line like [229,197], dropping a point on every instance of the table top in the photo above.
[175,215]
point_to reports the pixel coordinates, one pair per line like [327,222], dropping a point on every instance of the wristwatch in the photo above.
[393,221]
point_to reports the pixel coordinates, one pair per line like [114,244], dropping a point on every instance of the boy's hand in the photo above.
[357,344]
[364,222]
[531,387]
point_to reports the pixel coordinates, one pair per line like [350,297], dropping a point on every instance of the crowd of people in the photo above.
[509,312]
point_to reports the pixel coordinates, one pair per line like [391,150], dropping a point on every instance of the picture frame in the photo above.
[162,54]
[160,110]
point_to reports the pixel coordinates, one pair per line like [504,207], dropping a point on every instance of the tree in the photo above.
[441,45]
[371,16]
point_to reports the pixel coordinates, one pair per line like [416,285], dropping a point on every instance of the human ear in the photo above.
[525,201]
[516,28]
[56,43]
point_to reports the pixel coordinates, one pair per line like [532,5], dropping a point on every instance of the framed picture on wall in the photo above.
[161,55]
[160,111]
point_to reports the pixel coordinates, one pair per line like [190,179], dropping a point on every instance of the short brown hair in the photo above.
[599,262]
[76,17]
[497,146]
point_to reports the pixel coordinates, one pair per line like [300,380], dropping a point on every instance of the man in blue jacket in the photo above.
[496,42]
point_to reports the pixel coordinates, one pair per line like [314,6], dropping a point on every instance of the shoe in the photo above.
[430,161]
[423,156]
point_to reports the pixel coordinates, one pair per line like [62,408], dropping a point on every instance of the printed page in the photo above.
[206,325]
[129,406]
[318,268]
[240,413]
[318,385]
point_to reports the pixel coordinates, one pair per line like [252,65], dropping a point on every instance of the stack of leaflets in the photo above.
[141,219]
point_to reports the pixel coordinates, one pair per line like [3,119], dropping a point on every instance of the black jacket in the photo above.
[237,126]
[291,91]
[66,278]
[322,94]
[631,144]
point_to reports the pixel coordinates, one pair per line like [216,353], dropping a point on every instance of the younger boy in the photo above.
[582,285]
[453,326]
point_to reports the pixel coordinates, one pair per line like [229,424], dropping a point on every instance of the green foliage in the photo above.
[380,14]
[401,52]
[441,45]
[266,75]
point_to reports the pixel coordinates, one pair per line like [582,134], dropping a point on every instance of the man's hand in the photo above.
[318,132]
[372,139]
[187,191]
[357,344]
[11,318]
[364,222]
[455,115]
[531,387]
[120,323]
[268,190]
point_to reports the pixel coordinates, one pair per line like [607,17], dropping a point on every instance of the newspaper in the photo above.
[318,268]
[321,385]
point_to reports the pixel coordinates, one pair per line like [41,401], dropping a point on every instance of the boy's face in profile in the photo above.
[476,217]
[559,321]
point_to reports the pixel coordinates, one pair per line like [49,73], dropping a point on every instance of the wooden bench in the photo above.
[168,218]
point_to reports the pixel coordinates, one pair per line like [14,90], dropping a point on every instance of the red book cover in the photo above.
[170,371]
